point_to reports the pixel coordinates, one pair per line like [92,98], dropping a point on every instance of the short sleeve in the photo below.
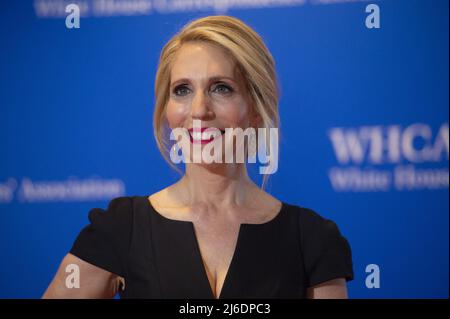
[104,242]
[327,254]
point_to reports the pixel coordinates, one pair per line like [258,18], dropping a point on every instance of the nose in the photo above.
[201,108]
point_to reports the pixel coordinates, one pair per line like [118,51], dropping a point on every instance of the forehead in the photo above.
[197,60]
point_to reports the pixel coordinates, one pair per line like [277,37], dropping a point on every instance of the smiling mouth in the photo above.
[204,135]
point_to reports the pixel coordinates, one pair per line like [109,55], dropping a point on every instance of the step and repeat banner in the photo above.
[364,135]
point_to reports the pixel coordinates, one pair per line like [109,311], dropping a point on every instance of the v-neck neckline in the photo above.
[202,265]
[198,256]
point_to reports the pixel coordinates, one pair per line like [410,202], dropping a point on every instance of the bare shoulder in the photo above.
[167,204]
[261,201]
[265,198]
[157,198]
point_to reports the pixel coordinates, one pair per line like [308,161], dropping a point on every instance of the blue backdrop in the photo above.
[364,126]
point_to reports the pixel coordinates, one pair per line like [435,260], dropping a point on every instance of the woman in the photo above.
[214,233]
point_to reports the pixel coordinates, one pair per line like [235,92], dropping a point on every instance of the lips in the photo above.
[204,135]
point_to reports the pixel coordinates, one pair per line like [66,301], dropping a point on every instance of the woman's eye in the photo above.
[181,90]
[224,89]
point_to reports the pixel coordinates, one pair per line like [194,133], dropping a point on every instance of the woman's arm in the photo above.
[94,281]
[332,289]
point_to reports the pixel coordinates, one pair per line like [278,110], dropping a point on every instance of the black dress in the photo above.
[160,258]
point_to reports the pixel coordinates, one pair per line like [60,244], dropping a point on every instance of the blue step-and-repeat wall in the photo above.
[364,126]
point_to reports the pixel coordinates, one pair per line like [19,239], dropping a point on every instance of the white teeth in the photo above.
[211,134]
[197,136]
[206,135]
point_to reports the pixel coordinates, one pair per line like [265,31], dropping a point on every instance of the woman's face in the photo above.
[206,86]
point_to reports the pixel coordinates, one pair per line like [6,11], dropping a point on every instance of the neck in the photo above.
[215,185]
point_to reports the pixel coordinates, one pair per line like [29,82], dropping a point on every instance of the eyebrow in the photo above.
[211,79]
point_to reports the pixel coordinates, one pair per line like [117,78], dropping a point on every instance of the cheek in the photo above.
[176,114]
[235,114]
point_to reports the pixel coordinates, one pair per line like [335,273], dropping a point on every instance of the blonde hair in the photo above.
[253,60]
